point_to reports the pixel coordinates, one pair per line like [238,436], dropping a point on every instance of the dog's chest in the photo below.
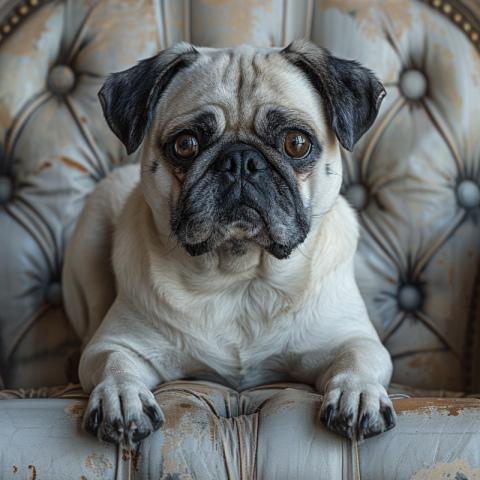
[247,348]
[242,333]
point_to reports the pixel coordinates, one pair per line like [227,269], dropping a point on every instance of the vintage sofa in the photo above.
[414,180]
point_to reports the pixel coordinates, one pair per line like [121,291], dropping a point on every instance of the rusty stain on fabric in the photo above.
[42,167]
[15,469]
[135,460]
[33,475]
[72,163]
[125,455]
[430,363]
[5,118]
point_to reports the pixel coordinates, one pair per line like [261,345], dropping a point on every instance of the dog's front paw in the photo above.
[357,407]
[122,409]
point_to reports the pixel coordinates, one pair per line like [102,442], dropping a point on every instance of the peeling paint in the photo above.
[98,464]
[76,410]
[426,406]
[315,405]
[456,470]
[363,14]
[239,16]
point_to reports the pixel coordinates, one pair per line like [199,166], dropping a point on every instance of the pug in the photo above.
[232,249]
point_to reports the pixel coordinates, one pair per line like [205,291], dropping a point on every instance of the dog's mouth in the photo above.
[237,228]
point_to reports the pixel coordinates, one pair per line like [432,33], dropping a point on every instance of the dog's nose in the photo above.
[241,160]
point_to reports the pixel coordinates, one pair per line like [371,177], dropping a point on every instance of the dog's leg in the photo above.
[356,403]
[121,409]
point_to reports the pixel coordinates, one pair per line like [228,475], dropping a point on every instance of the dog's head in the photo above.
[241,143]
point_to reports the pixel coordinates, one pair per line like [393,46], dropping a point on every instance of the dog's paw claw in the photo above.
[153,414]
[91,422]
[389,416]
[122,411]
[357,408]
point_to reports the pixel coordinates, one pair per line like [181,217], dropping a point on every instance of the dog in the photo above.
[229,255]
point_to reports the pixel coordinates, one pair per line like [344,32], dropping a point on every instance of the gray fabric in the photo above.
[206,438]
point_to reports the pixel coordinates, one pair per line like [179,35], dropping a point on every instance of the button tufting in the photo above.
[357,195]
[54,294]
[409,298]
[413,84]
[468,194]
[61,79]
[6,189]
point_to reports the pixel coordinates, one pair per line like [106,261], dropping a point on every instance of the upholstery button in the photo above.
[6,189]
[409,298]
[357,195]
[61,79]
[413,84]
[54,294]
[468,194]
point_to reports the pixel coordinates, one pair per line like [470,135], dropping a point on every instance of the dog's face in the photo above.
[241,144]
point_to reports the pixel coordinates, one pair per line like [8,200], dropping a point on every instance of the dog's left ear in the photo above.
[128,98]
[352,93]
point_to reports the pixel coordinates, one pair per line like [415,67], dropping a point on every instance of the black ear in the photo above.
[128,98]
[352,93]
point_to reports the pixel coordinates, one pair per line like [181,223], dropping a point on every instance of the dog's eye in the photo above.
[186,147]
[296,145]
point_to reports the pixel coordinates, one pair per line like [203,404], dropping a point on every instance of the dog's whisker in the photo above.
[169,252]
[151,169]
[308,258]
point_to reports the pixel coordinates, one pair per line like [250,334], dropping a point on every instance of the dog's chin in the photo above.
[241,230]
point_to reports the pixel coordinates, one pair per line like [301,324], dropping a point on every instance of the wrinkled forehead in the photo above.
[235,83]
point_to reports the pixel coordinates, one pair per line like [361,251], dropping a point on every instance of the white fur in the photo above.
[239,320]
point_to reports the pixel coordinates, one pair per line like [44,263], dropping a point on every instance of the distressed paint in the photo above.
[456,470]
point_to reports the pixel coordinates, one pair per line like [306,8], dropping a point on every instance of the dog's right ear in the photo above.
[351,93]
[128,98]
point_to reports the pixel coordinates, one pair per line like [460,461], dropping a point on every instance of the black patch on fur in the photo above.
[128,98]
[352,94]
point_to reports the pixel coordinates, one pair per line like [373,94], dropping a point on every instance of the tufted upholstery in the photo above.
[414,178]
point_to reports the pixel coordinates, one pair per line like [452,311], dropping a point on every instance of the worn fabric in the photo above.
[212,432]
